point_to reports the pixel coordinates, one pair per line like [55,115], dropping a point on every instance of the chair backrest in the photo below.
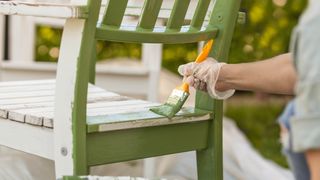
[176,30]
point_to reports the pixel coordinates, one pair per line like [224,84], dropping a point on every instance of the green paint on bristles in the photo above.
[173,104]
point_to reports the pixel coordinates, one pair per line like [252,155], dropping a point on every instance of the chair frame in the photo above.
[75,148]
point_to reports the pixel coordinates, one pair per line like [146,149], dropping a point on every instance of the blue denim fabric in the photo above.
[286,115]
[297,161]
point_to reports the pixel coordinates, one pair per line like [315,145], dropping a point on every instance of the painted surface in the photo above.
[32,102]
[42,9]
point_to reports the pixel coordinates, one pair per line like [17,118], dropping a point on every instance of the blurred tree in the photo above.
[267,31]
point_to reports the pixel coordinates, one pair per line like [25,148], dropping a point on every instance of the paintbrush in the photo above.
[180,94]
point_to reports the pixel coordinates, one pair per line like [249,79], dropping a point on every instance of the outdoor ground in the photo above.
[256,116]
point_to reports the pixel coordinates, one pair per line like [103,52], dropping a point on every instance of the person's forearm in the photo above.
[313,160]
[275,75]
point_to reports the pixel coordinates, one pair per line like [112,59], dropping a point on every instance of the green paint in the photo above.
[224,16]
[93,60]
[173,104]
[81,89]
[151,9]
[126,34]
[200,14]
[114,12]
[178,14]
[94,122]
[124,145]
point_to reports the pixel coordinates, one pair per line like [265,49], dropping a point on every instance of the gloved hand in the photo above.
[203,76]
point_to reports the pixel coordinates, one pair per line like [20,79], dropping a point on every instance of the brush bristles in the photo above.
[173,104]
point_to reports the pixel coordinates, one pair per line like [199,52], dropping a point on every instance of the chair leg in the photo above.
[210,160]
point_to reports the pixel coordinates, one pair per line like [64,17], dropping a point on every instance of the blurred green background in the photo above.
[265,34]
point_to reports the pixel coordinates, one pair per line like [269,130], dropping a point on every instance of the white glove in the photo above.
[203,76]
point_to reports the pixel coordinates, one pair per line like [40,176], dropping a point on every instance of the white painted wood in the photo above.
[21,40]
[40,93]
[24,83]
[65,87]
[2,28]
[27,88]
[92,97]
[36,115]
[48,122]
[27,138]
[152,57]
[42,9]
[26,100]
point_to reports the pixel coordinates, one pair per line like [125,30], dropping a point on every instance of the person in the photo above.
[295,73]
[296,160]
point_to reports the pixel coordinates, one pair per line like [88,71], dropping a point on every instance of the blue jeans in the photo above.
[297,161]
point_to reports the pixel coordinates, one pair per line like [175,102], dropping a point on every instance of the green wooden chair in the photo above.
[119,132]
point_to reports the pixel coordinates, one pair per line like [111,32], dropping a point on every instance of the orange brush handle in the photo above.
[205,52]
[201,57]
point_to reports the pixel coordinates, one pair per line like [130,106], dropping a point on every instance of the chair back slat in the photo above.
[200,14]
[114,12]
[149,14]
[178,14]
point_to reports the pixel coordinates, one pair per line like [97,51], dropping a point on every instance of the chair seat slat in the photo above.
[103,108]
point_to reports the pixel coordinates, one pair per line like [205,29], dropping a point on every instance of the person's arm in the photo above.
[313,159]
[275,75]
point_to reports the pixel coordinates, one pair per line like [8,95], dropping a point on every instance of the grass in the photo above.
[257,119]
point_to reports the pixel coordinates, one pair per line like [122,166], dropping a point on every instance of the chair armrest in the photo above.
[55,10]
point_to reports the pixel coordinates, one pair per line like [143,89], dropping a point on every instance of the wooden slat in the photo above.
[93,109]
[41,93]
[178,14]
[142,118]
[120,109]
[25,83]
[36,106]
[92,98]
[27,88]
[114,146]
[43,9]
[36,114]
[26,100]
[19,112]
[200,13]
[158,35]
[114,12]
[150,13]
